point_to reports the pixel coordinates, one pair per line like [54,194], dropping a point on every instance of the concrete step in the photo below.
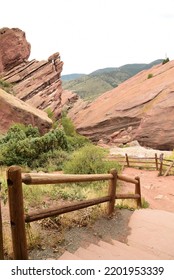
[68,256]
[127,252]
[85,254]
[151,238]
[153,231]
[101,253]
[107,251]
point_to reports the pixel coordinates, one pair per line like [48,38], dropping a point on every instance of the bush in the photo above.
[8,87]
[68,125]
[50,161]
[150,76]
[22,145]
[89,160]
[75,140]
[165,61]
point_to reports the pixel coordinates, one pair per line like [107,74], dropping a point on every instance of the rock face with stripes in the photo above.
[141,108]
[37,83]
[14,110]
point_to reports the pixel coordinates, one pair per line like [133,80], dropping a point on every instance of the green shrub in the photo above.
[75,140]
[22,145]
[8,87]
[89,160]
[144,203]
[68,125]
[165,60]
[19,132]
[150,76]
[50,161]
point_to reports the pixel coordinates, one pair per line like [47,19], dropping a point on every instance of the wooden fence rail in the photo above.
[1,231]
[132,161]
[164,166]
[18,218]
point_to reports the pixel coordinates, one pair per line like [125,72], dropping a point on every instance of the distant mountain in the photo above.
[70,77]
[133,69]
[90,86]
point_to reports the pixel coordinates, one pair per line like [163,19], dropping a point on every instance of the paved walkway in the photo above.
[151,237]
[153,231]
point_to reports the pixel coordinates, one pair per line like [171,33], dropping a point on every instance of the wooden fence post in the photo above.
[138,191]
[1,231]
[112,191]
[127,160]
[161,164]
[156,161]
[15,195]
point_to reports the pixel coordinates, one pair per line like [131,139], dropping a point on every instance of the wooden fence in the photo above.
[164,166]
[1,231]
[15,193]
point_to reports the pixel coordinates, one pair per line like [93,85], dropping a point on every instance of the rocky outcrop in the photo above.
[141,108]
[13,110]
[38,83]
[14,48]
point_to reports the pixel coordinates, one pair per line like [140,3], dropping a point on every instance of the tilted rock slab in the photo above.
[13,110]
[140,108]
[38,83]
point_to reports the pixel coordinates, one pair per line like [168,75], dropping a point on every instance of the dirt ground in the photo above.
[157,191]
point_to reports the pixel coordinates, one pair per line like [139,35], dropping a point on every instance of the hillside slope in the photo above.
[140,108]
[91,86]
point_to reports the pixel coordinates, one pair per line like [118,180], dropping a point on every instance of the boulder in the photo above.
[13,110]
[14,48]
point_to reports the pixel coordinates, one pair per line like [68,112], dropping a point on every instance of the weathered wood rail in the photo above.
[164,166]
[18,218]
[1,231]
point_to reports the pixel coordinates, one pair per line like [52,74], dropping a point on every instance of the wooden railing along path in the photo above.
[164,166]
[1,231]
[18,218]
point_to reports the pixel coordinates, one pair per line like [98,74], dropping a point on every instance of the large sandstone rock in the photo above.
[38,83]
[13,110]
[146,105]
[14,48]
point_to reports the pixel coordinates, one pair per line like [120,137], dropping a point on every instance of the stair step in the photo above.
[68,256]
[151,238]
[152,230]
[103,253]
[86,254]
[133,253]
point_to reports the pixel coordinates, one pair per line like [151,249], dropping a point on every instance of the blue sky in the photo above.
[93,34]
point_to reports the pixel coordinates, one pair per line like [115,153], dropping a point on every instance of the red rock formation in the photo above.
[35,82]
[13,110]
[141,108]
[14,48]
[39,84]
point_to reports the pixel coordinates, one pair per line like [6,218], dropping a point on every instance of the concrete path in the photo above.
[151,238]
[153,231]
